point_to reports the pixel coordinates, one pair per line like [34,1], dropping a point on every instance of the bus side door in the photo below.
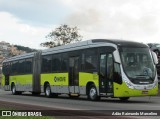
[106,74]
[74,74]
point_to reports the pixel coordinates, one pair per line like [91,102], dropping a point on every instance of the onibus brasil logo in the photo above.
[21,113]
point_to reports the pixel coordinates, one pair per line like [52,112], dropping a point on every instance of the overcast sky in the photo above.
[27,22]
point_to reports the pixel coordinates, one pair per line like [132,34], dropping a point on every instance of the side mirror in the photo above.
[155,59]
[116,56]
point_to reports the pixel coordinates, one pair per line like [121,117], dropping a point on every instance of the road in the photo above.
[63,102]
[81,103]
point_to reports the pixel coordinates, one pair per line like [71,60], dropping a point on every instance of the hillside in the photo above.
[26,49]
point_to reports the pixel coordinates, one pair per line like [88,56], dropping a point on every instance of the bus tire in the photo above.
[92,94]
[124,98]
[13,89]
[48,91]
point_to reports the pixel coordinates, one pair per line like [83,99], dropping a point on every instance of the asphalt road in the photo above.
[88,109]
[65,103]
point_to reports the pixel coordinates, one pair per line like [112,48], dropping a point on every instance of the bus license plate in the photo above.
[144,92]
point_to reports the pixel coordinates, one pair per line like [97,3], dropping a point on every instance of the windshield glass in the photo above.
[138,64]
[158,46]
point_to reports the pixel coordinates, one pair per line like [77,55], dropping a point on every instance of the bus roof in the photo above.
[23,56]
[82,45]
[122,43]
[93,43]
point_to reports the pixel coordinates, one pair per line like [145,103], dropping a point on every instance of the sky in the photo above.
[27,22]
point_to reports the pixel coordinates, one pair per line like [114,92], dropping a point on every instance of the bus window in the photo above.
[46,63]
[102,65]
[21,66]
[56,63]
[91,60]
[14,67]
[83,61]
[138,65]
[28,66]
[117,73]
[4,68]
[110,66]
[64,66]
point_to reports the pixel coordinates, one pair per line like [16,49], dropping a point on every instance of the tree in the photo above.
[61,36]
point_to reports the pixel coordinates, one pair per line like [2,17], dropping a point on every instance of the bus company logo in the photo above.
[59,79]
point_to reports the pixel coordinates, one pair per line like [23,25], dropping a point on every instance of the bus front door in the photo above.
[74,75]
[106,74]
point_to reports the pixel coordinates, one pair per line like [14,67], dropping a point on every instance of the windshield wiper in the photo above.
[141,76]
[144,76]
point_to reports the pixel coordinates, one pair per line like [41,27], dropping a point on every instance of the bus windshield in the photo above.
[138,65]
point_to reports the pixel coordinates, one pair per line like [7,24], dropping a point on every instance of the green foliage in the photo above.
[61,36]
[27,49]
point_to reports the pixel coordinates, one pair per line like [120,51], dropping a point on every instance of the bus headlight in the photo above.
[129,84]
[155,83]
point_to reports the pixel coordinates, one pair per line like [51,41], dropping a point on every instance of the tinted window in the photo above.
[56,63]
[11,68]
[91,59]
[117,73]
[83,61]
[4,69]
[46,63]
[64,61]
[110,66]
[21,67]
[103,65]
[15,67]
[28,66]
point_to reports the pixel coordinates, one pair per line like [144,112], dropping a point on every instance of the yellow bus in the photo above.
[96,68]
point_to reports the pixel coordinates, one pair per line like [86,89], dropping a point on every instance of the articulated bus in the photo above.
[95,68]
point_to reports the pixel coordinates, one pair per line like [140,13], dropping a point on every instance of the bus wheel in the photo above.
[124,98]
[92,94]
[14,92]
[48,91]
